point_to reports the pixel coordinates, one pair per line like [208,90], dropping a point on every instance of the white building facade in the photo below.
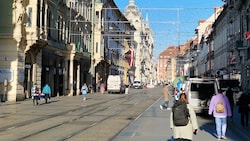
[143,36]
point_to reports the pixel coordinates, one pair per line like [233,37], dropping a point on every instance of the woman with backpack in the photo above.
[183,120]
[220,108]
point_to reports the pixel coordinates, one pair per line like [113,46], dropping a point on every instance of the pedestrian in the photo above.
[177,95]
[102,89]
[186,115]
[126,88]
[230,96]
[47,92]
[244,109]
[220,108]
[179,85]
[91,88]
[99,82]
[166,95]
[84,91]
[34,94]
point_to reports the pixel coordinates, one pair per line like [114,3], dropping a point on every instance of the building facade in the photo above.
[223,45]
[63,43]
[143,36]
[116,34]
[203,30]
[231,47]
[166,65]
[44,44]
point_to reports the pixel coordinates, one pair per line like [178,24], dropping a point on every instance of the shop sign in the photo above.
[247,35]
[232,59]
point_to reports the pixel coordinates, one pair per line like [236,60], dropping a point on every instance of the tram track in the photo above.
[104,110]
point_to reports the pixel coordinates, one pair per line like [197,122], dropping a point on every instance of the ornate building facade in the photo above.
[63,43]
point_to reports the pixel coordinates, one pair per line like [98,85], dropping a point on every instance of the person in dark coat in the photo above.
[244,109]
[230,96]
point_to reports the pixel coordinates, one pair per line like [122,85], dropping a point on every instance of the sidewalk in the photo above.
[235,125]
[158,120]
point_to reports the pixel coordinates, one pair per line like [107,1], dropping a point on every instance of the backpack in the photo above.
[180,114]
[220,108]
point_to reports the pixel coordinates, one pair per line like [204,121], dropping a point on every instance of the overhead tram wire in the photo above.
[157,8]
[154,22]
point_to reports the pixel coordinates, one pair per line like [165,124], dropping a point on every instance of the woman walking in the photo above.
[187,115]
[220,108]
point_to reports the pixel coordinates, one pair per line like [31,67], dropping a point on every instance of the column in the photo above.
[71,68]
[66,77]
[78,80]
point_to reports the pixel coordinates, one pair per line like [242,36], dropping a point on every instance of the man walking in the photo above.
[166,95]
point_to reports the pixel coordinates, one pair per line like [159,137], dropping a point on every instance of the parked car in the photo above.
[137,84]
[115,84]
[199,92]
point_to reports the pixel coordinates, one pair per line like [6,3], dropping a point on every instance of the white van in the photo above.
[199,93]
[137,84]
[115,84]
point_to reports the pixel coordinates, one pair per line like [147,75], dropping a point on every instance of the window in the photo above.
[49,23]
[29,15]
[38,13]
[43,14]
[96,47]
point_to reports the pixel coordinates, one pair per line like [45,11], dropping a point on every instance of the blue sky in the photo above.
[172,21]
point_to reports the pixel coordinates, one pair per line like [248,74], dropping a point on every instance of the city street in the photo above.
[153,125]
[117,117]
